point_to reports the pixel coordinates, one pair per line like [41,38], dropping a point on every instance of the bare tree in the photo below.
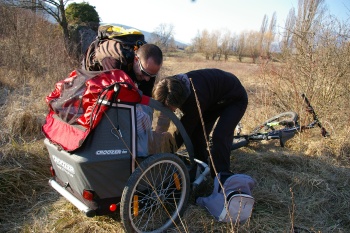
[205,43]
[253,45]
[286,42]
[202,43]
[196,43]
[263,30]
[190,50]
[267,36]
[310,13]
[240,46]
[270,35]
[213,48]
[226,44]
[163,36]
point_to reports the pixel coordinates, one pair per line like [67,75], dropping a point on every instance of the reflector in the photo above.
[88,195]
[136,205]
[52,171]
[113,207]
[177,181]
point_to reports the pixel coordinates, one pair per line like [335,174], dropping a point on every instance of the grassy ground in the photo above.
[304,186]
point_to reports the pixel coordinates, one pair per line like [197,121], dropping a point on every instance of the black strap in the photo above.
[231,194]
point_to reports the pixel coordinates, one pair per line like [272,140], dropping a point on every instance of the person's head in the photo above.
[147,62]
[172,92]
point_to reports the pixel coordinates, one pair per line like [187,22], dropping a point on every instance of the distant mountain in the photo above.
[149,34]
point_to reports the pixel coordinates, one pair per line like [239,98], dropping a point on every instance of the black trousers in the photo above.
[228,116]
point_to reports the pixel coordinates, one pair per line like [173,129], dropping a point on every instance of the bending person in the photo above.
[223,100]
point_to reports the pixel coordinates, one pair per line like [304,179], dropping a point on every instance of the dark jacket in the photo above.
[214,89]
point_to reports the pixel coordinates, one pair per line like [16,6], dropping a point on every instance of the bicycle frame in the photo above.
[311,110]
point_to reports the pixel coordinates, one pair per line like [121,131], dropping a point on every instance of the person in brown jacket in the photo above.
[142,65]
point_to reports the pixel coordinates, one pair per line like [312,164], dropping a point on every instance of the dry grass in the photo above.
[304,185]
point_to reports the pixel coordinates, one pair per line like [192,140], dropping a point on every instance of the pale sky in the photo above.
[189,18]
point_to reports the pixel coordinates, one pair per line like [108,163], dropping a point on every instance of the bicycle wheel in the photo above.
[155,194]
[280,121]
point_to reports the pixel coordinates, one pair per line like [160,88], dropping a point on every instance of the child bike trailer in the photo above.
[91,138]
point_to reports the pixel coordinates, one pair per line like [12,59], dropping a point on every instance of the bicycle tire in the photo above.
[280,121]
[154,197]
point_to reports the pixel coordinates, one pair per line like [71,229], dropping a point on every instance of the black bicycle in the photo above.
[282,127]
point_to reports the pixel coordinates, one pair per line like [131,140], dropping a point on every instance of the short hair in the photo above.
[150,51]
[171,92]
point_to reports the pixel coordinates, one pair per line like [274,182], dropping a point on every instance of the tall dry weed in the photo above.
[32,59]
